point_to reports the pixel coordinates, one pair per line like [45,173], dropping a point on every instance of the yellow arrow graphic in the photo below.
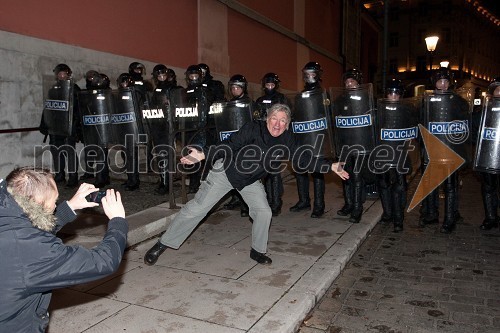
[443,161]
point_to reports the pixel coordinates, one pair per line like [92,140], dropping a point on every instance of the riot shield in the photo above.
[187,114]
[126,117]
[96,107]
[311,121]
[230,117]
[353,113]
[396,125]
[487,157]
[58,105]
[447,116]
[158,115]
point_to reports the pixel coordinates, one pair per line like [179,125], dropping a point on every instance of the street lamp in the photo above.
[431,43]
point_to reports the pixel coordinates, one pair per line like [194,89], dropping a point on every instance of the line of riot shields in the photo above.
[334,123]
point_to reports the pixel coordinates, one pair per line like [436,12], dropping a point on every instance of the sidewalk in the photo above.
[210,284]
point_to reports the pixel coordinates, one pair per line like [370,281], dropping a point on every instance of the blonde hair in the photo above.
[31,183]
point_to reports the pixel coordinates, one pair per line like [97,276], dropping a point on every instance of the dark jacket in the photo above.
[252,152]
[33,262]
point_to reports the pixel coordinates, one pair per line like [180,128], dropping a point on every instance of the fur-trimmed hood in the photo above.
[12,205]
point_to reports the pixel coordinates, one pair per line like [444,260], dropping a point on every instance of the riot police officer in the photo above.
[395,119]
[311,75]
[487,161]
[136,71]
[449,108]
[354,129]
[273,182]
[97,153]
[238,91]
[134,79]
[159,124]
[215,86]
[64,147]
[200,97]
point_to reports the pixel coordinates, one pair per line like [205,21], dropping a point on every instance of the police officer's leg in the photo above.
[347,190]
[101,167]
[450,192]
[385,196]
[358,190]
[276,193]
[489,192]
[429,213]
[261,214]
[70,151]
[56,141]
[399,190]
[89,155]
[319,195]
[304,202]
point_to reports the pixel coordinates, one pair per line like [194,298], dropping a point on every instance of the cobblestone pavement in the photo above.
[419,280]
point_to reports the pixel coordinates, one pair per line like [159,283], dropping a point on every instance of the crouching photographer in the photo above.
[34,261]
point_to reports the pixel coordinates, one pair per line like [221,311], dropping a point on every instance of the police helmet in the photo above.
[238,80]
[193,69]
[354,74]
[171,77]
[62,68]
[493,85]
[91,78]
[136,65]
[442,73]
[104,81]
[271,78]
[124,78]
[395,86]
[204,69]
[314,67]
[159,69]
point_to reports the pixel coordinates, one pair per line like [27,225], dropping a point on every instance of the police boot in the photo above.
[162,188]
[357,209]
[244,209]
[449,212]
[304,202]
[347,209]
[430,212]
[319,198]
[132,182]
[194,182]
[385,200]
[490,201]
[398,205]
[234,202]
[276,192]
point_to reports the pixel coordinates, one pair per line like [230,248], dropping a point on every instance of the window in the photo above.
[394,14]
[394,39]
[393,66]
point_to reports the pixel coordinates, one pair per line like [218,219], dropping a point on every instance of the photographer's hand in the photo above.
[78,201]
[112,204]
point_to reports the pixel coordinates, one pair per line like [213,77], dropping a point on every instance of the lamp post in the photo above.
[431,43]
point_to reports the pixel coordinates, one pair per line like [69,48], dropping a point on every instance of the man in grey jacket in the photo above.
[34,261]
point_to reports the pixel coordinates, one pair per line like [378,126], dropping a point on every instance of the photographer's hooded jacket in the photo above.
[34,261]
